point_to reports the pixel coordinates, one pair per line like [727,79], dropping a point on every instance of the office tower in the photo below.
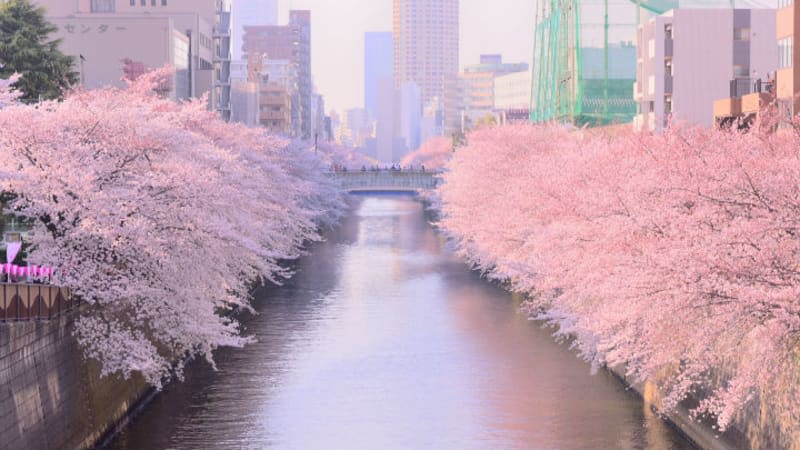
[378,63]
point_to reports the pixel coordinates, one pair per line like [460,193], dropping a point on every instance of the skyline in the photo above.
[338,51]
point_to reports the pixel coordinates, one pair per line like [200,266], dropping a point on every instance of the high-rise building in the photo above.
[290,42]
[378,63]
[410,109]
[250,13]
[425,44]
[385,124]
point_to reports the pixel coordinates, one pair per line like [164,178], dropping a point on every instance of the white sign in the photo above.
[12,248]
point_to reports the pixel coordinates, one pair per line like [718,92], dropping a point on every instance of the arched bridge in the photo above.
[385,181]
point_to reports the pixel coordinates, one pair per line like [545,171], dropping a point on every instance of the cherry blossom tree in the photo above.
[343,156]
[433,154]
[159,216]
[674,255]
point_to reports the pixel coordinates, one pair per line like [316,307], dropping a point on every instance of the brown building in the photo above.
[275,108]
[291,43]
[787,80]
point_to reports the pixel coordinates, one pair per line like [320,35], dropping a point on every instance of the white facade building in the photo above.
[512,96]
[687,58]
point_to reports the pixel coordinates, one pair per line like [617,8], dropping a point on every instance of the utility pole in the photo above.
[605,62]
[82,61]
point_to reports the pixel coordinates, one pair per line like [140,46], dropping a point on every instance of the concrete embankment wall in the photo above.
[701,434]
[50,396]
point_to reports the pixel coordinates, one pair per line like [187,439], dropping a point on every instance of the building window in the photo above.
[741,34]
[144,2]
[103,6]
[668,31]
[785,49]
[740,71]
[163,2]
[651,48]
[784,3]
[133,2]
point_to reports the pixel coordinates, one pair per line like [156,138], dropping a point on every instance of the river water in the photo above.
[383,340]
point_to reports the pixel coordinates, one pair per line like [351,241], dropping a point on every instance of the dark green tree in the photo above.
[25,48]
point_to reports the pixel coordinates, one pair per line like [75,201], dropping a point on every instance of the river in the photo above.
[384,340]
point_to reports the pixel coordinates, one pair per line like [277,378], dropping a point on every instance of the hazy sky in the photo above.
[338,27]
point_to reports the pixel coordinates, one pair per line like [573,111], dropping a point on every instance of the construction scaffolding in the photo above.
[584,60]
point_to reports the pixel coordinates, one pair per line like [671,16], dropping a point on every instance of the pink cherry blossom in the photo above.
[159,216]
[675,254]
[433,154]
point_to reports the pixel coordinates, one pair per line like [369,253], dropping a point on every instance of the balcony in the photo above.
[275,115]
[668,84]
[219,32]
[740,87]
[222,56]
[755,102]
[728,107]
[223,28]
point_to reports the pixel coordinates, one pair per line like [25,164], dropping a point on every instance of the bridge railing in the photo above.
[408,180]
[22,301]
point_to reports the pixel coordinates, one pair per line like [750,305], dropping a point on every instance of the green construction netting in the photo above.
[584,62]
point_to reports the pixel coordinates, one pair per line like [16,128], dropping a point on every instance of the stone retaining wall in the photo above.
[50,397]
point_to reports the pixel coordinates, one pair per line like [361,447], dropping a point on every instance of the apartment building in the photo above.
[290,43]
[747,98]
[687,58]
[279,97]
[250,13]
[426,43]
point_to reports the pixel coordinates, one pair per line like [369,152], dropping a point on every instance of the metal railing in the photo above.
[385,180]
[745,86]
[741,87]
[20,302]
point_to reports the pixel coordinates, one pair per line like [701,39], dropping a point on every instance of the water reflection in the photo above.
[382,340]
